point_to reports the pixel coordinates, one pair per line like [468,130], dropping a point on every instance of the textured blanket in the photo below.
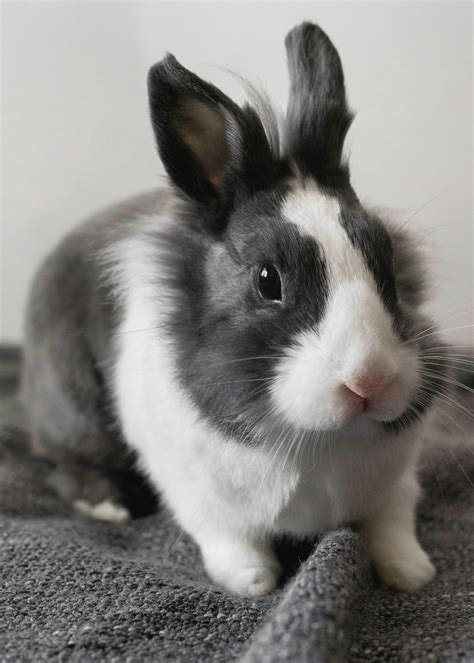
[74,589]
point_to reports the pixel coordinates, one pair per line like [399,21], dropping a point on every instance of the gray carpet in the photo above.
[78,590]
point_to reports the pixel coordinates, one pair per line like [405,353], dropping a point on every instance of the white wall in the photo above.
[76,134]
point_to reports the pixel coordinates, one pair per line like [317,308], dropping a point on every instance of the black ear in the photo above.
[317,116]
[209,146]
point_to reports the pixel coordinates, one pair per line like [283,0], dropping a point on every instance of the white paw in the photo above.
[242,566]
[252,580]
[407,573]
[105,510]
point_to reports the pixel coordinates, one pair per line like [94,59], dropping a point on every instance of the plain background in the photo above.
[76,134]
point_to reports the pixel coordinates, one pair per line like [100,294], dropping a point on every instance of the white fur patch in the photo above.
[317,215]
[105,510]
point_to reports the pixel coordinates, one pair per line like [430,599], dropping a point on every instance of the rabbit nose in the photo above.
[368,385]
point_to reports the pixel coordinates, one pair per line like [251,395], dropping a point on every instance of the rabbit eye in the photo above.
[269,282]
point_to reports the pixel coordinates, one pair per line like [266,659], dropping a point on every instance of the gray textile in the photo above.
[80,590]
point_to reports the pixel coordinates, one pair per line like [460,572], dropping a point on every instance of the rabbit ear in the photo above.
[209,146]
[317,116]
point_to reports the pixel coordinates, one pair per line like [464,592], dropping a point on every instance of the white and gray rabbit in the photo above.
[251,332]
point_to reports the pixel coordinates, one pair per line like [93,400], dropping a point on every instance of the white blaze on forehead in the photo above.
[318,215]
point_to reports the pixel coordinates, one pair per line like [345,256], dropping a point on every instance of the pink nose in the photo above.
[368,385]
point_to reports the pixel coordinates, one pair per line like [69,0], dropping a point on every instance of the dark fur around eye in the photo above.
[227,339]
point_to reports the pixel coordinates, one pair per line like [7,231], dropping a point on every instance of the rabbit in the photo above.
[250,333]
